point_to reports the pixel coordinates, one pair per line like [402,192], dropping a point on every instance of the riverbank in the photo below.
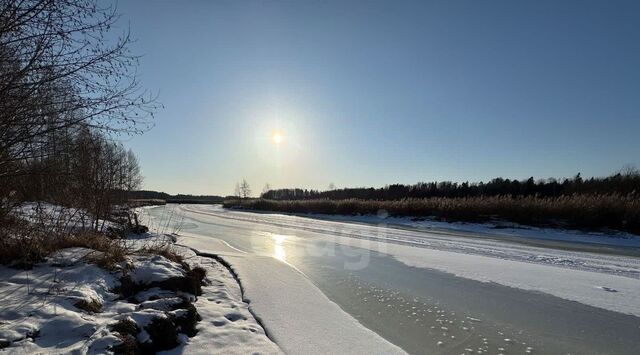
[171,301]
[91,293]
[608,213]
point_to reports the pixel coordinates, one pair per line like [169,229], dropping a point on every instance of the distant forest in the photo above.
[608,203]
[626,182]
[179,198]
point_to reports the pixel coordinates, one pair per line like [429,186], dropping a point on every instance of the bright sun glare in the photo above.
[277,138]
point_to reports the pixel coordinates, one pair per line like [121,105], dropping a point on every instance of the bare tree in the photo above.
[58,69]
[629,170]
[103,172]
[245,189]
[133,175]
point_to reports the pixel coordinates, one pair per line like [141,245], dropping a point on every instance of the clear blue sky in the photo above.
[367,93]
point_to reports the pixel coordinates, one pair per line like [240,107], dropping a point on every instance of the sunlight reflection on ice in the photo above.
[278,251]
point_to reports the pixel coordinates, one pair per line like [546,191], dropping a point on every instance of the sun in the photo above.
[277,137]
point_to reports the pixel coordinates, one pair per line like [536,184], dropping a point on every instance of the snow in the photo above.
[38,313]
[227,325]
[162,304]
[296,314]
[153,268]
[581,286]
[71,256]
[38,304]
[58,216]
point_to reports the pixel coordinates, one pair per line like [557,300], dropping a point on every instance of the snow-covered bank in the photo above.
[68,304]
[295,313]
[38,313]
[227,325]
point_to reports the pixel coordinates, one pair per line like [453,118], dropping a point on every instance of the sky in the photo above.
[369,93]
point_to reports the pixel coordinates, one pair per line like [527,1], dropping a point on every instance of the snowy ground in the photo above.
[54,216]
[227,325]
[40,312]
[38,304]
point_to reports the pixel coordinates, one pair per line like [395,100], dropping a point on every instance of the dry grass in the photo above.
[23,244]
[591,212]
[164,249]
[125,327]
[91,306]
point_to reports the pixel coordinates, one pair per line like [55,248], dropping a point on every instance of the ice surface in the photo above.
[578,276]
[295,313]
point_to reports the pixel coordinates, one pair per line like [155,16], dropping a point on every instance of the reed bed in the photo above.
[581,211]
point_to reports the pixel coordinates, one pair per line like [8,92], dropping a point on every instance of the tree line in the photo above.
[624,182]
[179,198]
[68,90]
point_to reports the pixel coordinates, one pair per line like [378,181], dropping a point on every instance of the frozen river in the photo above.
[434,293]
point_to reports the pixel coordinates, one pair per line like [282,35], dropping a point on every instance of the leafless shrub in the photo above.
[23,244]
